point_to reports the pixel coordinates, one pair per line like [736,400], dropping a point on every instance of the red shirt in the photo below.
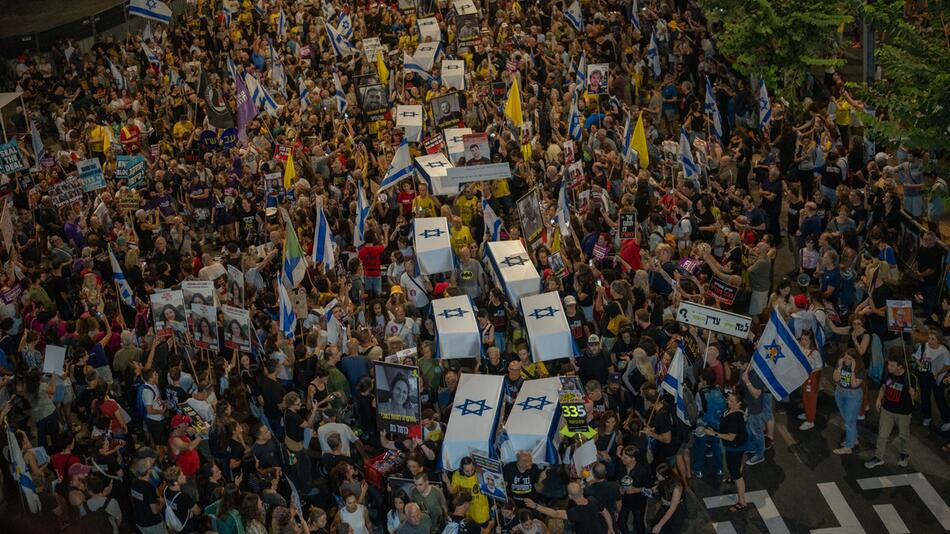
[372,256]
[405,202]
[630,253]
[188,461]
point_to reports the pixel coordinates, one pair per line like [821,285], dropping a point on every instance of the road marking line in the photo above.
[763,504]
[891,519]
[724,528]
[921,485]
[841,510]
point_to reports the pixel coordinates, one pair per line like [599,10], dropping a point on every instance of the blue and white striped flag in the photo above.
[323,241]
[492,222]
[174,79]
[575,16]
[228,13]
[563,215]
[342,46]
[362,213]
[409,64]
[685,155]
[260,96]
[400,167]
[304,91]
[653,54]
[151,9]
[628,153]
[279,76]
[635,15]
[288,318]
[765,106]
[345,25]
[339,95]
[150,55]
[120,80]
[281,24]
[673,383]
[121,284]
[779,359]
[22,473]
[580,74]
[711,107]
[574,130]
[260,7]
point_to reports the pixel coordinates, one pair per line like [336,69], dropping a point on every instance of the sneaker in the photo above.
[807,425]
[756,460]
[802,417]
[842,451]
[926,422]
[769,442]
[945,427]
[903,461]
[873,462]
[697,474]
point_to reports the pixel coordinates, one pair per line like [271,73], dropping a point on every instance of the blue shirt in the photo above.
[97,357]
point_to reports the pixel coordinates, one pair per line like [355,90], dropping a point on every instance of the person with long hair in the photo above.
[732,432]
[397,514]
[252,514]
[812,384]
[671,515]
[225,513]
[849,378]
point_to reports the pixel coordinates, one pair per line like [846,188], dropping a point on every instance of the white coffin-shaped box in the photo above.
[549,336]
[512,270]
[453,142]
[474,419]
[409,118]
[457,330]
[433,168]
[429,27]
[453,73]
[534,422]
[433,247]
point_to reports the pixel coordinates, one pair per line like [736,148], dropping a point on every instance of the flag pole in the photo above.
[706,352]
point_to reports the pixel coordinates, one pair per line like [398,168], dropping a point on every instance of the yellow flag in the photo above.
[513,106]
[639,143]
[381,69]
[290,173]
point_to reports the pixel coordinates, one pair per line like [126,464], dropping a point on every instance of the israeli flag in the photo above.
[342,46]
[653,54]
[473,424]
[174,79]
[457,332]
[288,318]
[150,55]
[22,473]
[323,241]
[534,422]
[147,34]
[279,76]
[549,335]
[574,16]
[765,106]
[635,15]
[690,171]
[226,9]
[563,210]
[426,54]
[281,24]
[711,107]
[121,284]
[399,168]
[260,7]
[409,65]
[492,221]
[345,26]
[779,359]
[260,96]
[339,95]
[304,91]
[628,153]
[152,10]
[574,130]
[362,213]
[120,80]
[673,383]
[580,75]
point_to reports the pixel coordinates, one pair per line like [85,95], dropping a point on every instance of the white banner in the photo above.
[477,173]
[723,322]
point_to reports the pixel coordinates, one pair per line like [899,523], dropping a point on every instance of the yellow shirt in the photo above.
[99,138]
[423,206]
[500,188]
[534,370]
[182,129]
[478,511]
[466,208]
[461,238]
[843,113]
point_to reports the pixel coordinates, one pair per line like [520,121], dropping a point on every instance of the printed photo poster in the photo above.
[569,157]
[900,315]
[466,29]
[235,287]
[477,150]
[237,328]
[424,8]
[168,312]
[575,173]
[529,211]
[374,100]
[407,6]
[198,292]
[491,481]
[398,408]
[527,131]
[597,78]
[204,326]
[447,110]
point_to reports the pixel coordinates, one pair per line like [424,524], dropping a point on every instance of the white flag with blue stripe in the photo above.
[339,95]
[260,96]
[399,169]
[409,64]
[260,7]
[673,383]
[653,54]
[150,55]
[342,46]
[779,359]
[492,221]
[288,318]
[635,15]
[323,241]
[765,106]
[228,13]
[281,24]
[22,473]
[575,16]
[712,108]
[152,10]
[574,130]
[345,25]
[120,80]
[121,284]
[685,155]
[580,75]
[304,91]
[563,215]
[628,153]
[362,213]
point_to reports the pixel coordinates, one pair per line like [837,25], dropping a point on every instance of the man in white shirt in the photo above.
[403,327]
[347,436]
[201,404]
[415,287]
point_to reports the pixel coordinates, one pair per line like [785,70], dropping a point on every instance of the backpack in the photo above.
[715,406]
[694,233]
[172,520]
[140,406]
[95,521]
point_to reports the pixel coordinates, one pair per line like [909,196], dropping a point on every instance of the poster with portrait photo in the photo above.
[424,8]
[477,150]
[237,328]
[900,316]
[362,80]
[597,78]
[204,326]
[575,173]
[198,292]
[398,408]
[568,152]
[374,100]
[529,211]
[235,287]
[447,110]
[491,481]
[168,312]
[467,29]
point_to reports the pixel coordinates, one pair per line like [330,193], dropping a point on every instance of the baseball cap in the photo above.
[594,339]
[395,289]
[440,288]
[801,300]
[180,420]
[570,300]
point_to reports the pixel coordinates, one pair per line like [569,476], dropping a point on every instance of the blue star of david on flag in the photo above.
[466,407]
[511,261]
[541,313]
[534,403]
[451,313]
[431,232]
[774,352]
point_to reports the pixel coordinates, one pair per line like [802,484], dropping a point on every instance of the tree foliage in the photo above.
[913,97]
[779,40]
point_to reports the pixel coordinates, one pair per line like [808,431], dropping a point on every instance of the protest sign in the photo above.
[90,172]
[67,191]
[131,169]
[397,399]
[11,159]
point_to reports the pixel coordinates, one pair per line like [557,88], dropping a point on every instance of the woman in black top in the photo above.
[732,432]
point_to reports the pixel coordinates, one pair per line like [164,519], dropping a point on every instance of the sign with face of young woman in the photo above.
[398,409]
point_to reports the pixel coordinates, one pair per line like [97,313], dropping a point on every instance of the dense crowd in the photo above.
[182,429]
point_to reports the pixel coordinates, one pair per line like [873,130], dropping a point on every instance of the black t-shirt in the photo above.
[521,485]
[662,423]
[143,496]
[466,526]
[292,425]
[273,394]
[930,258]
[733,423]
[181,504]
[638,477]
[594,367]
[605,491]
[876,323]
[897,394]
[586,518]
[706,219]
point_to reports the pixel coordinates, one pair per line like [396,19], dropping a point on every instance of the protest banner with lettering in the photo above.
[67,191]
[131,169]
[11,159]
[90,172]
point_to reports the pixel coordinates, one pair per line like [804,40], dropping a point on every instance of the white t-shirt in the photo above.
[406,331]
[346,436]
[151,397]
[933,360]
[413,287]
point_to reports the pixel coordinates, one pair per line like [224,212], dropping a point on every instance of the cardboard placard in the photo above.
[720,289]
